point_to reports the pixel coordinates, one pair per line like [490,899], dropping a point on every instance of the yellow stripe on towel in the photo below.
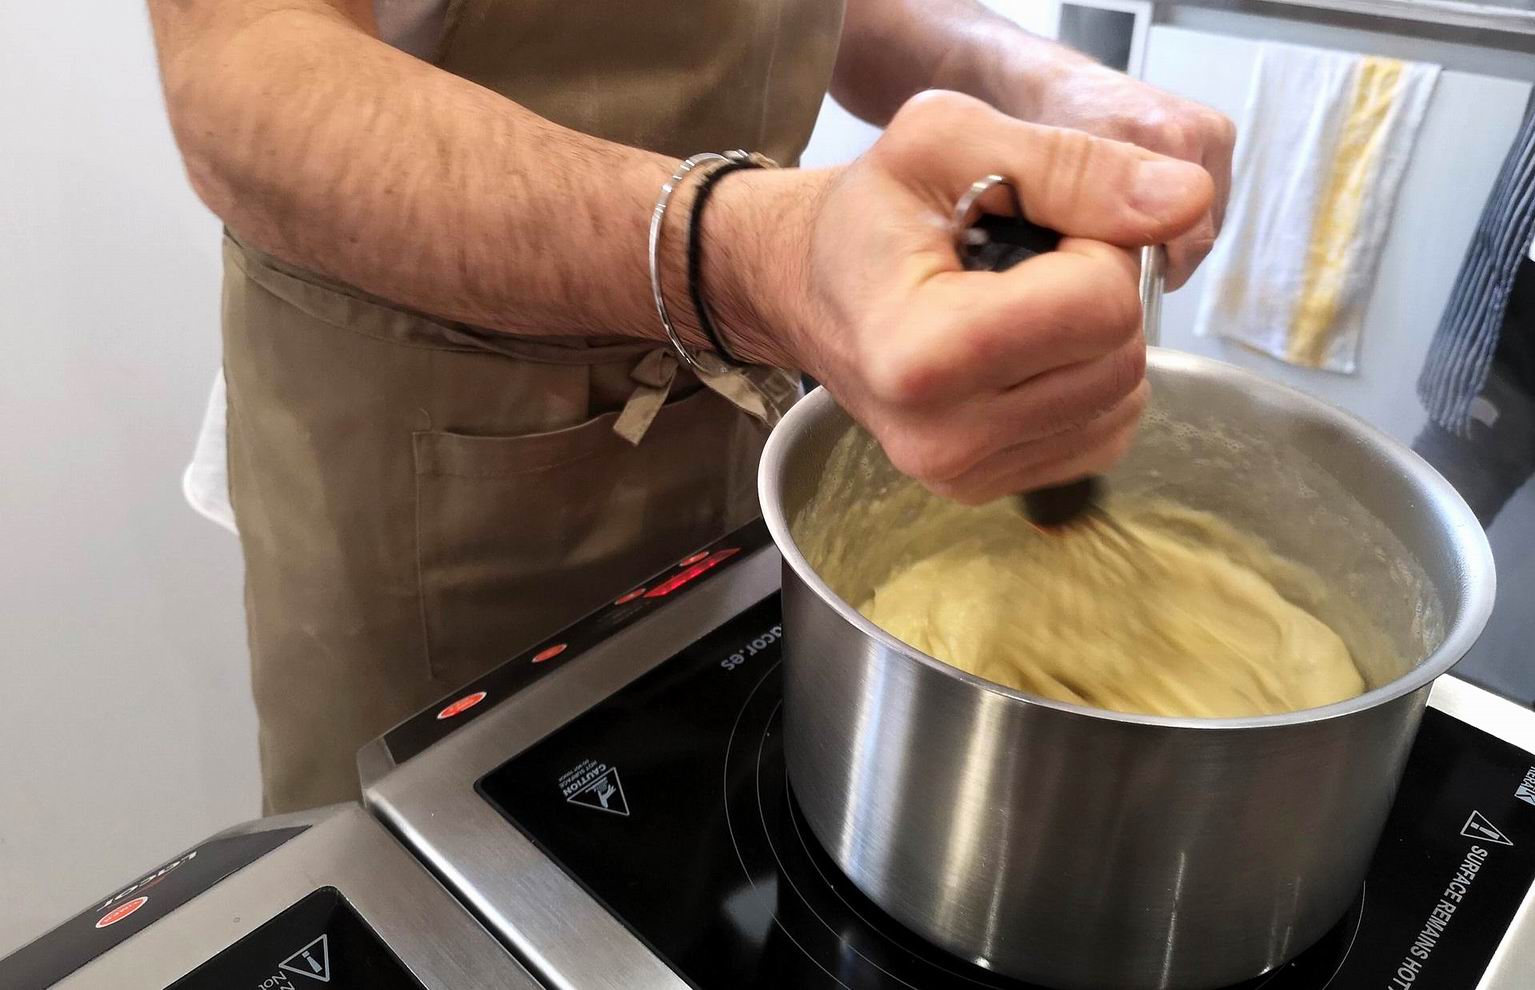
[1340,208]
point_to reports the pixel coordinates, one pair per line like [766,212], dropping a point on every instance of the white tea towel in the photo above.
[1323,144]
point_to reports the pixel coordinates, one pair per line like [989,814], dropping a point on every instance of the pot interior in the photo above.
[1406,575]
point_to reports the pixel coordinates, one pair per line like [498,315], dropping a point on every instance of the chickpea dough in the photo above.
[1166,612]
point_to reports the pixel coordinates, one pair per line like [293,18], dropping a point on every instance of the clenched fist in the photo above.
[977,384]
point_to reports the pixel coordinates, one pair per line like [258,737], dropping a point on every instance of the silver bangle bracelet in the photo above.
[693,362]
[656,218]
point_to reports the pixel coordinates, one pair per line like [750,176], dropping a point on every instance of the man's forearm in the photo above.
[892,49]
[330,150]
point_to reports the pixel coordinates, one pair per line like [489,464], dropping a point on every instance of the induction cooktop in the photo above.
[622,818]
[295,902]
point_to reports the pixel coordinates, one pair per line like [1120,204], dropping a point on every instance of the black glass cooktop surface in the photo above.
[321,939]
[669,803]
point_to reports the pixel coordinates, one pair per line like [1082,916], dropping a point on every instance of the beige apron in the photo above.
[417,500]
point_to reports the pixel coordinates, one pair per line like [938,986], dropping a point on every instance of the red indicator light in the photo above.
[699,566]
[631,596]
[690,561]
[462,705]
[549,652]
[120,912]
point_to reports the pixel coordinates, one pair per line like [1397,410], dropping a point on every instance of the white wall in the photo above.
[126,732]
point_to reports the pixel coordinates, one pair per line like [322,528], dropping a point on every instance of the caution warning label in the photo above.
[313,960]
[595,785]
[1478,827]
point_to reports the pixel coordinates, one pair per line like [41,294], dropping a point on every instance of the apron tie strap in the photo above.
[764,394]
[653,378]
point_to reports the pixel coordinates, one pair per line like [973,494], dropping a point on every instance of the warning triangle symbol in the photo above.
[313,960]
[606,793]
[1478,827]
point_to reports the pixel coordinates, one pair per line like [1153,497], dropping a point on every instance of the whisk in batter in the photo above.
[1166,610]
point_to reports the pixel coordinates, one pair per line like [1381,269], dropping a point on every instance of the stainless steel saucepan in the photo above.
[1082,848]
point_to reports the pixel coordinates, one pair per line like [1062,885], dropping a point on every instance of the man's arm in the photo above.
[327,148]
[314,140]
[892,49]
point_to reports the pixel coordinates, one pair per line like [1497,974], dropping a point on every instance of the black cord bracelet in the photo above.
[695,254]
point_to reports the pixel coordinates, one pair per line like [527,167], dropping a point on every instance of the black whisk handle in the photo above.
[996,243]
[1060,504]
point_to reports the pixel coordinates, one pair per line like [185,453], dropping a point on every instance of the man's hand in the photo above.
[1089,97]
[892,49]
[978,384]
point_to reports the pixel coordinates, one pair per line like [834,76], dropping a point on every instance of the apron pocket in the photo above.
[517,536]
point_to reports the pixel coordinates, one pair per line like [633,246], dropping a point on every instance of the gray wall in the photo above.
[126,732]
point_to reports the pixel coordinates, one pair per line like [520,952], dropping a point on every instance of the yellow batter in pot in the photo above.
[1167,611]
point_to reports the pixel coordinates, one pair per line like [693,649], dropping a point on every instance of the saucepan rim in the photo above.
[1478,574]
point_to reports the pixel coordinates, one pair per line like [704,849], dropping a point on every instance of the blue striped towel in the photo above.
[1461,353]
